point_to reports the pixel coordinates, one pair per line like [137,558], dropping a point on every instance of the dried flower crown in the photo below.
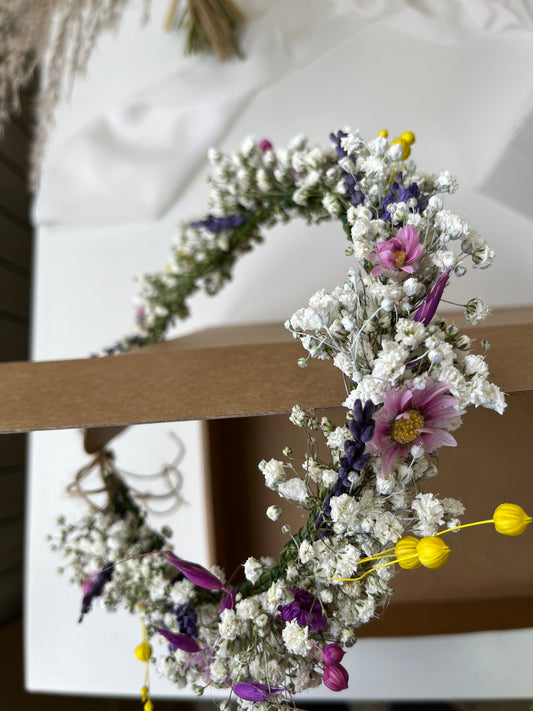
[410,376]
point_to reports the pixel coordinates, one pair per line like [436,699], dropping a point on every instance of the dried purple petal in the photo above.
[228,600]
[194,572]
[429,305]
[179,641]
[254,691]
[94,587]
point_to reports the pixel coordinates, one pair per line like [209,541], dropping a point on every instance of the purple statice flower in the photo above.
[398,254]
[411,417]
[255,691]
[187,619]
[194,572]
[429,305]
[179,641]
[362,431]
[338,488]
[355,458]
[336,139]
[94,587]
[398,193]
[350,181]
[220,224]
[336,677]
[362,424]
[305,609]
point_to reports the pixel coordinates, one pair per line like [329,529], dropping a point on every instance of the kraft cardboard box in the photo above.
[249,382]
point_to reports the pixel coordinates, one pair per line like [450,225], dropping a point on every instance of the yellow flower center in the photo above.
[399,258]
[406,429]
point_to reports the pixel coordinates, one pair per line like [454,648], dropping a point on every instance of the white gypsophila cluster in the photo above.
[362,485]
[104,539]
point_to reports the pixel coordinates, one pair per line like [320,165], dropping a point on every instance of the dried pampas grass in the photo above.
[60,35]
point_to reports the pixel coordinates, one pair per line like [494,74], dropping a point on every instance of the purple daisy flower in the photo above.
[398,254]
[413,417]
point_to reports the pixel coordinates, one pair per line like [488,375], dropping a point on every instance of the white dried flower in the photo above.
[387,528]
[296,638]
[253,569]
[430,514]
[273,472]
[274,512]
[294,490]
[476,311]
[229,626]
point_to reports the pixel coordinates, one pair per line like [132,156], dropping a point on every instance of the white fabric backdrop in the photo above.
[126,162]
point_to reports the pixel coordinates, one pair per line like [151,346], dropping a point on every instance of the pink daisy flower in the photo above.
[398,253]
[413,417]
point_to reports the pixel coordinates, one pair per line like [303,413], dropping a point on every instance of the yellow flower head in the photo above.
[406,554]
[511,519]
[432,552]
[406,148]
[143,651]
[408,137]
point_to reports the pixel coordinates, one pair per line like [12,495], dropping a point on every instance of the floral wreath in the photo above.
[409,376]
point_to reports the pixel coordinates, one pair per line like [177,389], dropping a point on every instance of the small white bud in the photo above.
[274,512]
[417,451]
[411,287]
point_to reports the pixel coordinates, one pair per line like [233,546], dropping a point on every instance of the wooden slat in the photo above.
[14,169]
[12,486]
[14,197]
[451,617]
[15,242]
[15,145]
[16,235]
[21,219]
[11,548]
[11,592]
[237,381]
[14,339]
[12,452]
[14,296]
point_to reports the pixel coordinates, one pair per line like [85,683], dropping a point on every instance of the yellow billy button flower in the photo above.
[406,553]
[406,148]
[408,137]
[432,552]
[143,651]
[383,133]
[511,519]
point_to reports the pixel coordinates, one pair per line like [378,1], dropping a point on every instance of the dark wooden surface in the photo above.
[16,240]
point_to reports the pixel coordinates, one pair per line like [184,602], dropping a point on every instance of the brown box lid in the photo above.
[227,372]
